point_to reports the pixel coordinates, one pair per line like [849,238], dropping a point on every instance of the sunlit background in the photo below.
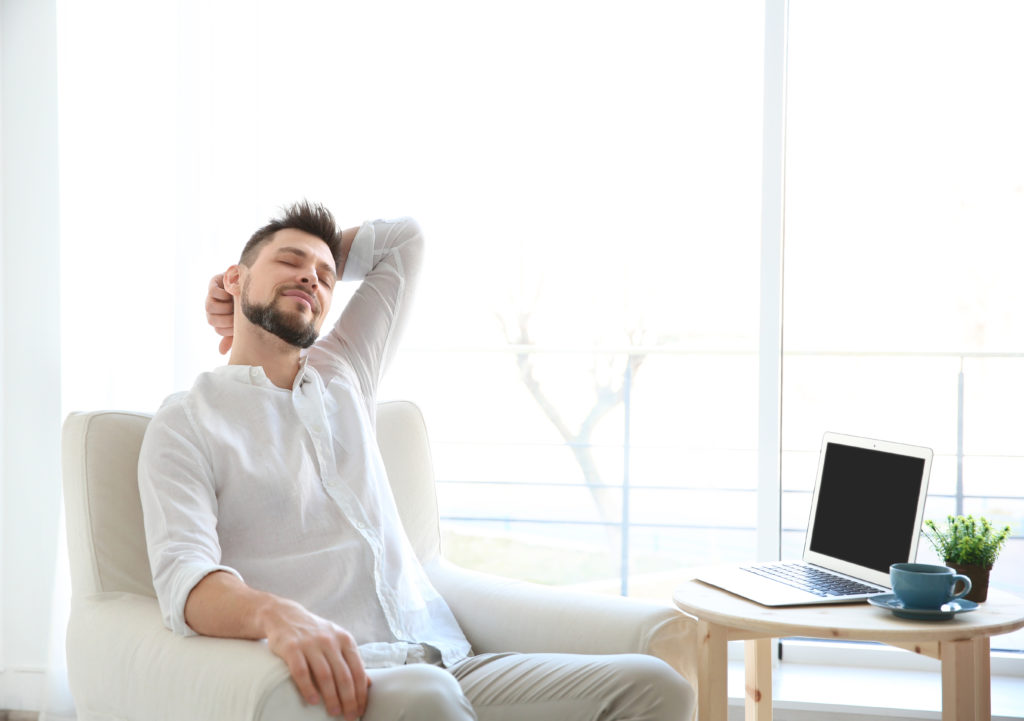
[589,177]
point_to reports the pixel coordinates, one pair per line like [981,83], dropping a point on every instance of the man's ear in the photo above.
[233,280]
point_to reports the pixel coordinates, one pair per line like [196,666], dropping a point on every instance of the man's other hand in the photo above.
[220,311]
[322,657]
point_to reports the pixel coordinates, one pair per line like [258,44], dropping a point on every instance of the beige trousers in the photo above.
[534,687]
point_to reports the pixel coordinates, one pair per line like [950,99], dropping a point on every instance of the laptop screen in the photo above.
[868,506]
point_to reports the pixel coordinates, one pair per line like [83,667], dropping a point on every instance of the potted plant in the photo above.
[970,546]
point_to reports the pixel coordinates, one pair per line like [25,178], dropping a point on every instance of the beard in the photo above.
[291,329]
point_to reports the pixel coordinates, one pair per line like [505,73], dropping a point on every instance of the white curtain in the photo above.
[58,703]
[29,351]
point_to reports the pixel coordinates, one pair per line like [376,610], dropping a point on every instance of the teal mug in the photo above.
[922,585]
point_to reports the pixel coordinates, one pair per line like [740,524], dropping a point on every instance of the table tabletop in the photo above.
[1001,613]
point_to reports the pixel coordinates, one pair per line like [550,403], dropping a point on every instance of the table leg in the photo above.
[982,678]
[712,673]
[758,670]
[966,680]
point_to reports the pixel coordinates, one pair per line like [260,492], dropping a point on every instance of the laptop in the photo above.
[866,514]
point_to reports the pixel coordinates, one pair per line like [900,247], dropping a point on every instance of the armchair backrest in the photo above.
[106,540]
[405,446]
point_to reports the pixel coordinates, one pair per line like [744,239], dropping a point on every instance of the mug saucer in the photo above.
[943,613]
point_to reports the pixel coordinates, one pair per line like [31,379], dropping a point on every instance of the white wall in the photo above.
[30,352]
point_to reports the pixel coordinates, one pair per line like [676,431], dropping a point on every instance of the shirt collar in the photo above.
[255,375]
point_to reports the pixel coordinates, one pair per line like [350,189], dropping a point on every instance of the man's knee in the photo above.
[651,683]
[418,692]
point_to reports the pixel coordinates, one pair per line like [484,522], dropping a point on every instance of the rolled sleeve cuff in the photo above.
[360,254]
[189,578]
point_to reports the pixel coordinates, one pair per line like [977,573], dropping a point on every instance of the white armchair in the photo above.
[123,664]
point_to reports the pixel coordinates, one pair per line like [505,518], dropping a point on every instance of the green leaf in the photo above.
[966,541]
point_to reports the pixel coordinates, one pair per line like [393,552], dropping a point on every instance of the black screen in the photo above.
[867,506]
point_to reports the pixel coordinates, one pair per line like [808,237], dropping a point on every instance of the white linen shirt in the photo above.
[287,490]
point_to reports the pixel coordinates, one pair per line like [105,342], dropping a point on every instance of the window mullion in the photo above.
[770,345]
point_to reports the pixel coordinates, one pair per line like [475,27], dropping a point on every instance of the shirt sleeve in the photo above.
[179,507]
[387,255]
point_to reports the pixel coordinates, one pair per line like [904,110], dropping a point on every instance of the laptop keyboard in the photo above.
[813,580]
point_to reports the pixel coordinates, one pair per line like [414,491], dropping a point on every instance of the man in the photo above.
[268,512]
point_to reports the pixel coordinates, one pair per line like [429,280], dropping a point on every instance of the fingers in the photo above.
[223,325]
[349,677]
[220,311]
[326,666]
[360,681]
[216,289]
[298,667]
[218,300]
[217,307]
[334,679]
[319,677]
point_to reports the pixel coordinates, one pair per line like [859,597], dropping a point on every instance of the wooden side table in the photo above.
[961,644]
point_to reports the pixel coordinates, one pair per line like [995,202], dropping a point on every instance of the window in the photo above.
[904,215]
[590,354]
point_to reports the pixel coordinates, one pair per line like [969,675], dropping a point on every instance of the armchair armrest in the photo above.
[501,614]
[127,664]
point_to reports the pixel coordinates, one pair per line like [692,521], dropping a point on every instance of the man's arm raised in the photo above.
[322,657]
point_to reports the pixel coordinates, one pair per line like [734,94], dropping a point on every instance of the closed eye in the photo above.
[296,258]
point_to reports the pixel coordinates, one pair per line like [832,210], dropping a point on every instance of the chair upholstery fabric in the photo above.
[125,665]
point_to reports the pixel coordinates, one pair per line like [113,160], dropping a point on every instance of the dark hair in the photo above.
[311,218]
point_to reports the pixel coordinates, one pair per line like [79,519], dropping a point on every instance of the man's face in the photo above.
[287,291]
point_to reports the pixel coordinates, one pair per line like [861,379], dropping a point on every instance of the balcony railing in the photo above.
[629,486]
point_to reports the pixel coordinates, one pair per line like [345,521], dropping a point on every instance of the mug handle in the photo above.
[966,589]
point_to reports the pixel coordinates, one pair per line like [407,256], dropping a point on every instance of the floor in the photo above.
[19,716]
